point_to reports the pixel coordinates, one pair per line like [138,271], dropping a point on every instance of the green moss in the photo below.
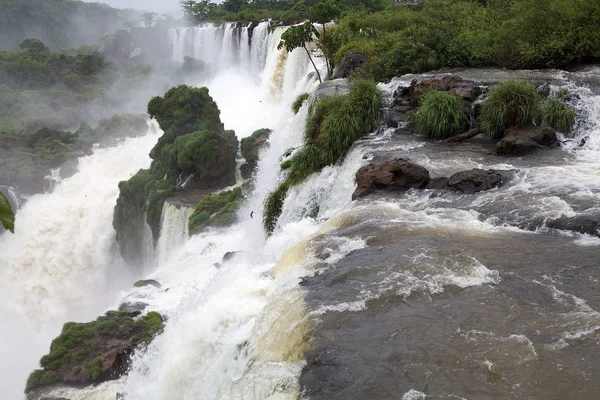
[511,103]
[95,368]
[297,104]
[217,210]
[439,116]
[249,147]
[40,378]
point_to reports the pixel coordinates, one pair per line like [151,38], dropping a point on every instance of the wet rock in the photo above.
[438,184]
[246,170]
[396,115]
[580,224]
[54,398]
[390,175]
[147,282]
[403,131]
[329,88]
[477,180]
[467,91]
[120,396]
[519,141]
[229,255]
[69,168]
[419,87]
[351,61]
[136,307]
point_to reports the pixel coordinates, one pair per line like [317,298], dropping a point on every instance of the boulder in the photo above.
[419,87]
[147,282]
[390,175]
[396,115]
[134,308]
[329,88]
[467,91]
[580,224]
[351,61]
[438,184]
[477,180]
[519,141]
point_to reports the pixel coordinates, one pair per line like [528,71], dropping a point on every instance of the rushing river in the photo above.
[413,296]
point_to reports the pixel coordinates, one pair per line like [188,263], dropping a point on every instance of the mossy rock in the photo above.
[97,351]
[147,282]
[217,210]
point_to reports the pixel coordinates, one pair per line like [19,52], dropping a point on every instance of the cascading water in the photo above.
[401,297]
[61,264]
[173,229]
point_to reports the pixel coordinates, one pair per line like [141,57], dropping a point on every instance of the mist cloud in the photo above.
[158,6]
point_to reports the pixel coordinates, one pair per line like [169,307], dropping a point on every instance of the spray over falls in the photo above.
[346,294]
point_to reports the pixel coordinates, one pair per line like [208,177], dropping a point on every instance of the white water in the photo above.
[61,263]
[173,230]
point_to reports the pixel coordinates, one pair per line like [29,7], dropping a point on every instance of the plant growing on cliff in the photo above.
[333,124]
[7,217]
[297,104]
[510,104]
[299,36]
[250,145]
[556,113]
[217,210]
[439,116]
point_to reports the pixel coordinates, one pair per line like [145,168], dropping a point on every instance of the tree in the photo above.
[33,45]
[148,18]
[323,13]
[6,215]
[299,36]
[197,10]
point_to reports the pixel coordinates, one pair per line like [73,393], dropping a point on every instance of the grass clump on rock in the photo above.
[440,115]
[297,104]
[510,104]
[333,124]
[556,113]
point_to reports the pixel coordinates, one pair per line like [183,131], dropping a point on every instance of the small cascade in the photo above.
[173,229]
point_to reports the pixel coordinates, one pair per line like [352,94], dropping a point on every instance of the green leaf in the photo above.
[6,215]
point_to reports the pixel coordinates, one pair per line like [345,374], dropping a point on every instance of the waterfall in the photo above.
[62,263]
[173,229]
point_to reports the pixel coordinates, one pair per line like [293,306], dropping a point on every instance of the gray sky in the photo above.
[159,6]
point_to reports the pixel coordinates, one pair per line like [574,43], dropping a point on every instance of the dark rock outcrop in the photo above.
[147,282]
[391,176]
[519,141]
[419,87]
[351,61]
[580,224]
[396,115]
[477,180]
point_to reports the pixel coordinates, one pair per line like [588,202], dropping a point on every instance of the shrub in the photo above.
[333,124]
[249,147]
[556,113]
[511,103]
[95,368]
[440,115]
[40,378]
[218,209]
[297,104]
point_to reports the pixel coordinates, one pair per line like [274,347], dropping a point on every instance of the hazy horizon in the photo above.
[158,6]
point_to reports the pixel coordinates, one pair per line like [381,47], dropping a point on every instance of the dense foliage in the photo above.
[194,150]
[297,104]
[250,145]
[59,23]
[439,115]
[333,124]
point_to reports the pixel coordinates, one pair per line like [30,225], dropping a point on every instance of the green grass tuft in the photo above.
[511,103]
[556,113]
[273,206]
[440,115]
[297,104]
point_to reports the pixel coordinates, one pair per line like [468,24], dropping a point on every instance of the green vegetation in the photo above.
[299,36]
[217,210]
[511,103]
[82,344]
[251,145]
[439,116]
[194,147]
[297,104]
[332,126]
[7,217]
[556,113]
